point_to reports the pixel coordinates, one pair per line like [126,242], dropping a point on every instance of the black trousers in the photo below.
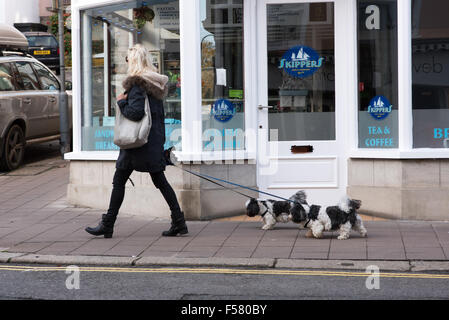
[160,182]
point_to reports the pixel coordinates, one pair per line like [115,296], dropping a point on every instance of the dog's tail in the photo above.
[347,204]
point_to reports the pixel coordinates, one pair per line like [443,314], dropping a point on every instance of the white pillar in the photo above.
[190,76]
[106,69]
[405,75]
[87,69]
[22,11]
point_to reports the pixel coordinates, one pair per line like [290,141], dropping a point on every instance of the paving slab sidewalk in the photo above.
[37,225]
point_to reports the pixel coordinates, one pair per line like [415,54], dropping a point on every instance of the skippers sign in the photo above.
[380,108]
[301,62]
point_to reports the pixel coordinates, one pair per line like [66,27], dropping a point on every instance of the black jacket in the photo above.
[150,157]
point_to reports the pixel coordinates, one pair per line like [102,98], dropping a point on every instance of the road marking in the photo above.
[228,271]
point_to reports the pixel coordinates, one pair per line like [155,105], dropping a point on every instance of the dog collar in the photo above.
[307,223]
[266,211]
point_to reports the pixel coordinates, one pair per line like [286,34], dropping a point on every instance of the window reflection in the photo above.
[430,69]
[378,74]
[222,68]
[301,71]
[108,32]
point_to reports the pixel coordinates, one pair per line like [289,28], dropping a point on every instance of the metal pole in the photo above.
[63,110]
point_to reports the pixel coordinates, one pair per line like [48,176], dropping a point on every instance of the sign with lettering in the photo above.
[223,110]
[301,62]
[379,108]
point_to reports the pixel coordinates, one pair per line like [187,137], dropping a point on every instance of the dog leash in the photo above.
[211,179]
[214,182]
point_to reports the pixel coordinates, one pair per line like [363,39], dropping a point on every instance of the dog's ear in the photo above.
[252,207]
[298,213]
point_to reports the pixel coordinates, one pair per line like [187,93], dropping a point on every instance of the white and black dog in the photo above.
[318,219]
[273,211]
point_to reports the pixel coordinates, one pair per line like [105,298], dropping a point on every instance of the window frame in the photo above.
[20,79]
[405,150]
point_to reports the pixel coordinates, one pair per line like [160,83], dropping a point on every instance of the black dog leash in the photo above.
[214,180]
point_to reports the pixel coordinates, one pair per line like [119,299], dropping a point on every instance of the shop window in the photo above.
[430,69]
[377,74]
[223,104]
[301,71]
[107,34]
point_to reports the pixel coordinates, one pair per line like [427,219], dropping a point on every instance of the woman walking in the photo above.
[142,80]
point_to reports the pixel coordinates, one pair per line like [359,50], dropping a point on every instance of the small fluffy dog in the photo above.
[271,211]
[318,219]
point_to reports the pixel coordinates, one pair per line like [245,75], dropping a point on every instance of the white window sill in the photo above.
[92,155]
[180,156]
[400,154]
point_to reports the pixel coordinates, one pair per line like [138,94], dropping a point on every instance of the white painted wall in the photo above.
[19,11]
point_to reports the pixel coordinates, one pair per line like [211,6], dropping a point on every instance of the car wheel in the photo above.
[14,149]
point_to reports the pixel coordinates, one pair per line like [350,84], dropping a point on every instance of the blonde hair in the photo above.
[139,61]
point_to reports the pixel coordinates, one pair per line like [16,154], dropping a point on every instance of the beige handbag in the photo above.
[130,134]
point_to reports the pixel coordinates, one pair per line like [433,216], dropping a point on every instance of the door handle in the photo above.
[265,107]
[27,101]
[52,99]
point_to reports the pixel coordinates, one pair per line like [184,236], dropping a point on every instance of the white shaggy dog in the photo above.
[343,217]
[271,211]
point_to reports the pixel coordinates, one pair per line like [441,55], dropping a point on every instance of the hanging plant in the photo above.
[142,15]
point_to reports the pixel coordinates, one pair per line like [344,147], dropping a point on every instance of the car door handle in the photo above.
[265,107]
[52,99]
[27,101]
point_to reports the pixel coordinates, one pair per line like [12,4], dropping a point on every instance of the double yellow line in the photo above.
[274,272]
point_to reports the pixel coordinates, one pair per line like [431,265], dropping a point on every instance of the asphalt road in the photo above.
[101,283]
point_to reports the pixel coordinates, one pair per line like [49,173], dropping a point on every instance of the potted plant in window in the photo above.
[142,15]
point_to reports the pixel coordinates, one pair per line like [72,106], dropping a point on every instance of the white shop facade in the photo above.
[332,97]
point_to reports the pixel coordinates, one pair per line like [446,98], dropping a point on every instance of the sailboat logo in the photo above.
[223,110]
[301,61]
[301,56]
[380,108]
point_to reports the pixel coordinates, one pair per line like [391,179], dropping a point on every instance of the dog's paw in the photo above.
[342,237]
[267,227]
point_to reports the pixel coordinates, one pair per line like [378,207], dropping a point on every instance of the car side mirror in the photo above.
[68,85]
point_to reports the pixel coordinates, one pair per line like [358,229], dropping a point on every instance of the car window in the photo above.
[27,75]
[48,81]
[42,41]
[6,77]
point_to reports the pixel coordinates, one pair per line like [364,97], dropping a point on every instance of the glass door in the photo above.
[297,109]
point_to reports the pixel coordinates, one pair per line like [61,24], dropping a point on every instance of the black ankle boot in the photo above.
[178,226]
[105,227]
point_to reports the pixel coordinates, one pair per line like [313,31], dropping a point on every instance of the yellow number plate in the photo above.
[41,52]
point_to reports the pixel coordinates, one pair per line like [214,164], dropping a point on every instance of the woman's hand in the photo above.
[122,97]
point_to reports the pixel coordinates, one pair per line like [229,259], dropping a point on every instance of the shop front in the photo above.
[332,97]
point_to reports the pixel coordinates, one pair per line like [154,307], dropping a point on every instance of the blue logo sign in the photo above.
[223,110]
[301,62]
[380,108]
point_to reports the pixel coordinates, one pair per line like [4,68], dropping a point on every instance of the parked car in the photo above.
[29,100]
[45,48]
